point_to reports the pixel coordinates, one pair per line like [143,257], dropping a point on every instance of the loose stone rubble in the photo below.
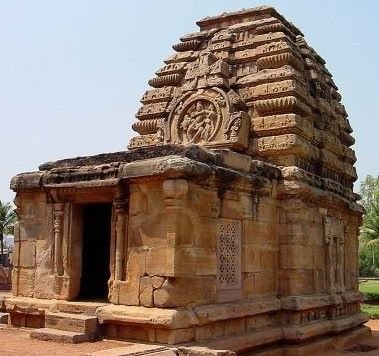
[231,221]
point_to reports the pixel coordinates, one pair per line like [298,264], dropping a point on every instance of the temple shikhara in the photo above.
[229,222]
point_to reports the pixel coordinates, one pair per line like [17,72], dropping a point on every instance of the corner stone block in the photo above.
[44,255]
[160,261]
[44,284]
[146,291]
[27,254]
[136,262]
[31,230]
[23,282]
[181,292]
[129,292]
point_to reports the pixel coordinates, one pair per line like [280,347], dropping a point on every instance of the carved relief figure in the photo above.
[234,129]
[231,132]
[208,70]
[160,134]
[199,122]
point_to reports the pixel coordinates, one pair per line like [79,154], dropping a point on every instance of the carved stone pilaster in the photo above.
[330,264]
[341,263]
[119,208]
[335,253]
[58,239]
[175,193]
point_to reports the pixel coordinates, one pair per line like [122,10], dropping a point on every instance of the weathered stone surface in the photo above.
[132,350]
[167,318]
[56,335]
[72,322]
[180,292]
[232,220]
[203,351]
[172,337]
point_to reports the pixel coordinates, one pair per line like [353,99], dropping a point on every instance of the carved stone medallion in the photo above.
[204,117]
[199,122]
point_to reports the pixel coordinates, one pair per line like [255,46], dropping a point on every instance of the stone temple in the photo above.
[231,219]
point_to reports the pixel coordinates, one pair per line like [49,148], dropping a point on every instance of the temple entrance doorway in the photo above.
[95,251]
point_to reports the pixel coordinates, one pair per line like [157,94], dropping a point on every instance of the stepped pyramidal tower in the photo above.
[231,220]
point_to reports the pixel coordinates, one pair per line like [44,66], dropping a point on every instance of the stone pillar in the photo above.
[119,208]
[58,239]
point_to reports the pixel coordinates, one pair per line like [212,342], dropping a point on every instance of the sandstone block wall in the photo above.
[233,211]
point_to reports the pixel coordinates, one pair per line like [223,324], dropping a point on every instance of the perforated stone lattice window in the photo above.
[229,254]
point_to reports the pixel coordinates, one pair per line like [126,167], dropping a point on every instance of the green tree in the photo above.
[7,220]
[369,191]
[369,231]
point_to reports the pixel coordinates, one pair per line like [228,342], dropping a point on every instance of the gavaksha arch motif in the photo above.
[204,117]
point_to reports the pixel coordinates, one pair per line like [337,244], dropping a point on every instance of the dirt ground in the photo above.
[14,342]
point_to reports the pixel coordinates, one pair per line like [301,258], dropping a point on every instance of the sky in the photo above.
[72,72]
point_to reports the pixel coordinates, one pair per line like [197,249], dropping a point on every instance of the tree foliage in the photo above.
[7,221]
[369,231]
[369,191]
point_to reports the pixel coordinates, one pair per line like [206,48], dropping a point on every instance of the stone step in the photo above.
[78,323]
[88,308]
[137,350]
[47,334]
[4,317]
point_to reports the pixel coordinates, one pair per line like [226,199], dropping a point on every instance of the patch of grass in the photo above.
[372,310]
[369,286]
[370,290]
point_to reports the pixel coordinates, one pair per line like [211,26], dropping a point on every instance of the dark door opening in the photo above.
[95,251]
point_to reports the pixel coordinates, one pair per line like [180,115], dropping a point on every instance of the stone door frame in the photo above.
[67,229]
